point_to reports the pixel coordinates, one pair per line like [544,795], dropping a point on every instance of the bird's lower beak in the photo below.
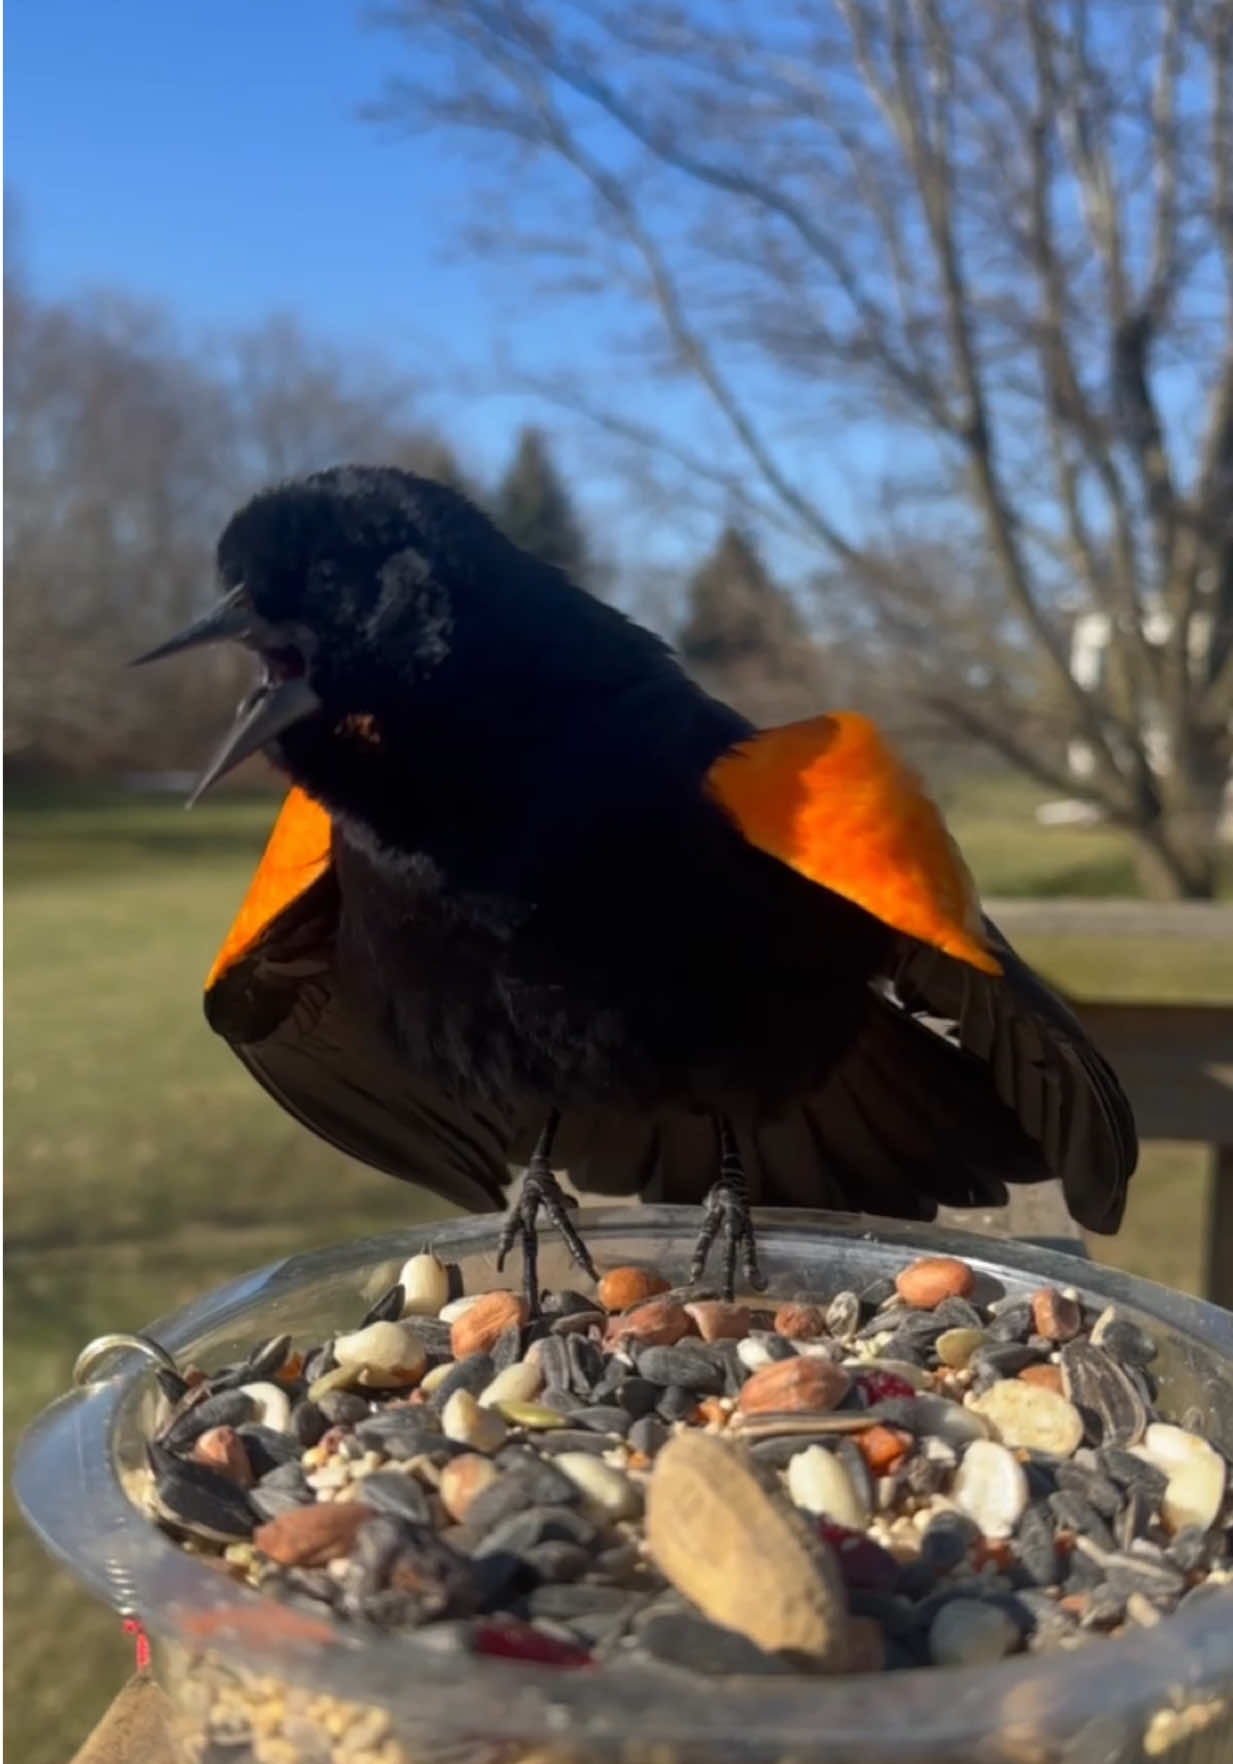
[273,707]
[269,709]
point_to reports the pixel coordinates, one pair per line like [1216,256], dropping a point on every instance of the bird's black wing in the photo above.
[279,1005]
[1062,1092]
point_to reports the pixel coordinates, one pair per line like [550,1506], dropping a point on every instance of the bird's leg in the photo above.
[726,1209]
[540,1188]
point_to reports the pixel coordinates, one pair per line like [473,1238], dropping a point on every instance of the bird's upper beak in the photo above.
[272,706]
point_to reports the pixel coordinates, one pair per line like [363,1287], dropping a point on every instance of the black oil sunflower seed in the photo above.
[387,1309]
[1114,1413]
[204,1502]
[226,1408]
[670,1367]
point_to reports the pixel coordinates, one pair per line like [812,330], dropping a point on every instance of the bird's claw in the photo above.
[540,1190]
[726,1212]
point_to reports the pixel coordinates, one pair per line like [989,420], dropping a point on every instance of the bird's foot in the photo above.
[540,1190]
[726,1214]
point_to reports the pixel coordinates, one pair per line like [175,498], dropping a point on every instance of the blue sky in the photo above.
[212,157]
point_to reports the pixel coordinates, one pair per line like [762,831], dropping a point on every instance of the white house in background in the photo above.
[1089,655]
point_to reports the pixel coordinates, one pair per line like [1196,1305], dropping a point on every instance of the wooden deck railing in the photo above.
[1175,1060]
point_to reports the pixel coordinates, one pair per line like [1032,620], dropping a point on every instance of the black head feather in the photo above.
[442,656]
[394,577]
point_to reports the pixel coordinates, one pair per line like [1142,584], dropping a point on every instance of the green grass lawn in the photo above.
[1011,854]
[144,1166]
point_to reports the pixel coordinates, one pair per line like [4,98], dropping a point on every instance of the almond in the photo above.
[658,1323]
[934,1278]
[462,1478]
[1048,1377]
[223,1449]
[800,1322]
[309,1537]
[742,1554]
[621,1288]
[719,1322]
[481,1323]
[787,1386]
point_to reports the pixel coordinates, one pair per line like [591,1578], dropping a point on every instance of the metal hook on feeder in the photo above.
[118,1341]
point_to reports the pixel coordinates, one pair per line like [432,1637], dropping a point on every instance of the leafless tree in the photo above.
[966,261]
[126,448]
[743,636]
[112,489]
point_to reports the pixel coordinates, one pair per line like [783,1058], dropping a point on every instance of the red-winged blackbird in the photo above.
[537,899]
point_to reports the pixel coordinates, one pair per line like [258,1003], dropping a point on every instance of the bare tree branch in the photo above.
[986,236]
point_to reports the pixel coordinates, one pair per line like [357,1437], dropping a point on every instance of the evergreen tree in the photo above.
[743,637]
[533,506]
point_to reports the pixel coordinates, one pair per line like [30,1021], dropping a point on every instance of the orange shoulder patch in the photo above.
[298,852]
[832,800]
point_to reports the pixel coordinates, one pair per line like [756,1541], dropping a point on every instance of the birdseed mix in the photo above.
[858,1482]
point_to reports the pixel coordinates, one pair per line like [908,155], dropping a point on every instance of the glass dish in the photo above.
[255,1682]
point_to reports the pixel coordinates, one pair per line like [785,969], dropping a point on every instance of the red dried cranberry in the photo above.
[511,1640]
[864,1565]
[835,1534]
[879,1387]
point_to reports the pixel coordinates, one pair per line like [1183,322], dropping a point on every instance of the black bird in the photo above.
[537,899]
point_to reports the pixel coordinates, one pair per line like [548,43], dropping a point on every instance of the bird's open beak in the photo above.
[273,706]
[263,716]
[232,620]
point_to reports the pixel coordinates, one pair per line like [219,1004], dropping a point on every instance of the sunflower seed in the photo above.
[474,1373]
[267,1449]
[637,1396]
[392,1491]
[227,1408]
[647,1435]
[204,1502]
[1129,1470]
[671,1366]
[272,1405]
[602,1418]
[843,1315]
[1113,1411]
[533,1526]
[1073,1513]
[947,1540]
[341,1408]
[387,1309]
[399,1433]
[1121,1338]
[1014,1324]
[1036,1546]
[1093,1487]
